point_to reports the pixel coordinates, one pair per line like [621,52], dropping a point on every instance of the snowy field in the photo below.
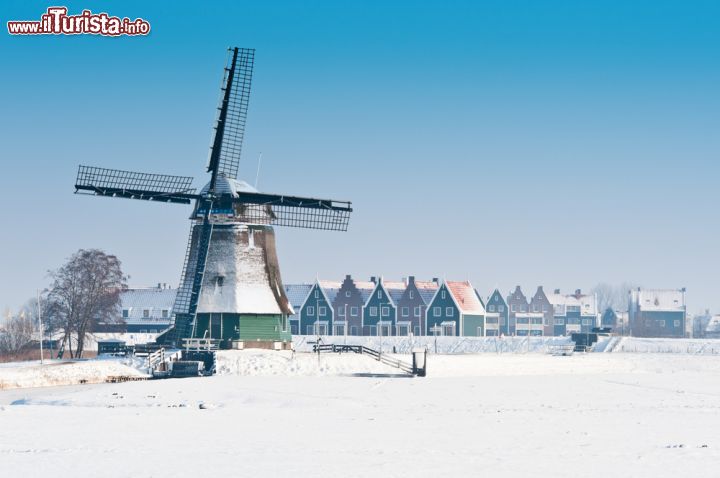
[275,414]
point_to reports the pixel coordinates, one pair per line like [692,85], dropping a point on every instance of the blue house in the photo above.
[379,312]
[456,310]
[316,313]
[296,294]
[496,316]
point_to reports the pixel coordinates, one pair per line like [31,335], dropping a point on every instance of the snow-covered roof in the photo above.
[586,303]
[395,289]
[152,299]
[465,297]
[713,324]
[659,299]
[331,289]
[426,289]
[366,288]
[297,293]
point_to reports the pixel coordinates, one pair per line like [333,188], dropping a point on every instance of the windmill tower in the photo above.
[230,286]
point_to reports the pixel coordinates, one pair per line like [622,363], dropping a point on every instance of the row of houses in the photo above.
[452,308]
[432,307]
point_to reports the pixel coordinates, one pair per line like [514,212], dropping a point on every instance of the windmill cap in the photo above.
[225,185]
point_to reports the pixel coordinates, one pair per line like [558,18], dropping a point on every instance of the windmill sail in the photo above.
[134,185]
[232,114]
[292,211]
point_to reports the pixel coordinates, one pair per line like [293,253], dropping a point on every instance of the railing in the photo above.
[361,349]
[201,344]
[156,358]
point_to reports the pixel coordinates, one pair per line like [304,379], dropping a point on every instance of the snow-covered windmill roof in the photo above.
[426,289]
[225,185]
[465,297]
[296,294]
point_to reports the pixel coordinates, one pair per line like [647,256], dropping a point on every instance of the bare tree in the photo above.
[85,291]
[16,333]
[612,296]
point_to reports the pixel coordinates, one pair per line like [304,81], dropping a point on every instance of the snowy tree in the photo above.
[85,291]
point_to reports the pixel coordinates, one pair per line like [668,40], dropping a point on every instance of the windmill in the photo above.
[230,286]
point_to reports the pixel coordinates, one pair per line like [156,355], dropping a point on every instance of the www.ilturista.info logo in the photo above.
[57,22]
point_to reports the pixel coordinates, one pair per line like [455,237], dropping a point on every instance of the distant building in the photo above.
[712,329]
[412,305]
[348,305]
[296,294]
[518,304]
[573,313]
[143,314]
[657,312]
[316,313]
[539,304]
[456,310]
[615,320]
[496,315]
[379,311]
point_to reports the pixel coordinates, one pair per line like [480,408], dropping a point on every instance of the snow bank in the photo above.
[56,372]
[671,346]
[286,363]
[440,345]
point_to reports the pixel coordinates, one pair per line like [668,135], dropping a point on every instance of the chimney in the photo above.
[578,292]
[557,291]
[347,277]
[373,279]
[411,279]
[436,280]
[540,289]
[159,285]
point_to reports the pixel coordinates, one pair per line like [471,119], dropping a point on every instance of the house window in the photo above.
[322,310]
[347,293]
[661,323]
[676,323]
[417,330]
[491,308]
[373,310]
[354,311]
[126,313]
[449,311]
[379,294]
[341,312]
[405,311]
[354,330]
[535,308]
[513,308]
[165,313]
[586,321]
[309,329]
[418,313]
[146,313]
[410,294]
[311,310]
[385,311]
[501,308]
[317,294]
[545,308]
[559,322]
[437,312]
[442,294]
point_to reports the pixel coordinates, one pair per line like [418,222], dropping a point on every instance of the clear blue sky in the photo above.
[559,143]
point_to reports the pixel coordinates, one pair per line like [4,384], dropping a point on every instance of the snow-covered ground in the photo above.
[272,414]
